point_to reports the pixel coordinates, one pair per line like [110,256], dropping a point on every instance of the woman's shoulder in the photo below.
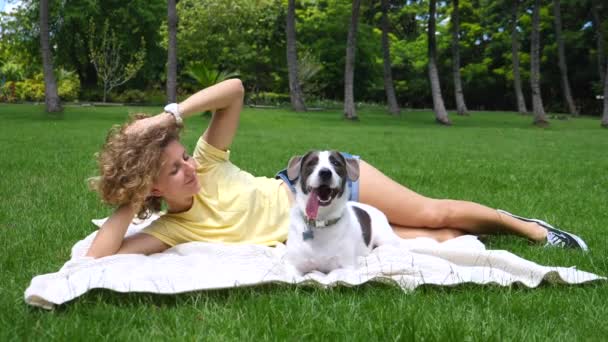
[205,153]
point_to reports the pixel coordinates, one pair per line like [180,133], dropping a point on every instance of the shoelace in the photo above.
[559,239]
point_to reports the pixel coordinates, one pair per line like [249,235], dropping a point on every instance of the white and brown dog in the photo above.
[327,231]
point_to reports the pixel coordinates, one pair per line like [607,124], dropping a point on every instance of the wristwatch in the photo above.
[173,109]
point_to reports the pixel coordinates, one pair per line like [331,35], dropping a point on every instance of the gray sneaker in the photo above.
[555,237]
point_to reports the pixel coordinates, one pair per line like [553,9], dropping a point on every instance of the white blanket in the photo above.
[201,266]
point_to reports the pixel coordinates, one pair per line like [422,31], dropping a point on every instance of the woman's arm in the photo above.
[224,98]
[110,238]
[227,98]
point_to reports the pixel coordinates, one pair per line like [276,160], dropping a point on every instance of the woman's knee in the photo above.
[438,214]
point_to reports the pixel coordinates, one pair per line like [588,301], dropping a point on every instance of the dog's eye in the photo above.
[335,162]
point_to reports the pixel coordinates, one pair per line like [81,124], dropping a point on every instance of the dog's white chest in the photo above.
[325,249]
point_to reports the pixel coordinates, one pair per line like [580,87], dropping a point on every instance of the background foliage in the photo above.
[247,37]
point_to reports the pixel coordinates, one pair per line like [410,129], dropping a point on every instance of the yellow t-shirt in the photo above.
[232,206]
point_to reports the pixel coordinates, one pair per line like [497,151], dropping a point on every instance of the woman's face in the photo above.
[177,179]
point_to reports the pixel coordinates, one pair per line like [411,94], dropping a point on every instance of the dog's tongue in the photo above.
[312,206]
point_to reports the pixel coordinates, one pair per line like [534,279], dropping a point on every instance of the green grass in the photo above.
[499,159]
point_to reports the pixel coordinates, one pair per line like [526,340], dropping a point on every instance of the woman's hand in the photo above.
[140,126]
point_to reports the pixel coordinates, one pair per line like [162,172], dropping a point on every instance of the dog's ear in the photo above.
[352,168]
[293,167]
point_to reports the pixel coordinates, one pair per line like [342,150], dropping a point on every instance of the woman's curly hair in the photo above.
[130,163]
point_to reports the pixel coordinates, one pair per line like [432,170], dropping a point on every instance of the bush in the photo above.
[92,94]
[12,71]
[156,96]
[32,89]
[130,96]
[68,85]
[269,99]
[8,92]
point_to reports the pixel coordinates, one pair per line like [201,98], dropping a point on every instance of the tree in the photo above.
[172,51]
[309,67]
[393,106]
[561,54]
[295,90]
[69,41]
[461,106]
[51,96]
[349,69]
[105,52]
[322,25]
[540,118]
[605,116]
[521,101]
[599,36]
[441,115]
[243,35]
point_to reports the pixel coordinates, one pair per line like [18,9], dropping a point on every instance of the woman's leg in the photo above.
[439,234]
[405,208]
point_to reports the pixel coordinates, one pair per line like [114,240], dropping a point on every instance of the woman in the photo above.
[210,199]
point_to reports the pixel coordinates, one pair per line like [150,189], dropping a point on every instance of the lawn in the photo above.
[558,174]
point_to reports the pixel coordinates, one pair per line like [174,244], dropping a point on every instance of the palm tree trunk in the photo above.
[461,106]
[51,96]
[172,52]
[349,70]
[521,101]
[441,115]
[563,67]
[605,115]
[540,119]
[599,36]
[391,99]
[295,91]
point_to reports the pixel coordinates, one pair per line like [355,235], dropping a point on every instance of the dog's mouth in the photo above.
[321,196]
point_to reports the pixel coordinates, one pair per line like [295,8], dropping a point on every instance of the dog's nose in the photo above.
[325,174]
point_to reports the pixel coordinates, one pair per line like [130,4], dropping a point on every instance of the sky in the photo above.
[8,5]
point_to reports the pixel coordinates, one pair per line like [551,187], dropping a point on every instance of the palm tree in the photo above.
[461,106]
[521,101]
[540,119]
[51,97]
[206,75]
[349,69]
[561,54]
[393,106]
[605,116]
[441,115]
[295,90]
[599,36]
[172,52]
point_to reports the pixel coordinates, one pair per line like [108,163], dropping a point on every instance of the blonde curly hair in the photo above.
[130,163]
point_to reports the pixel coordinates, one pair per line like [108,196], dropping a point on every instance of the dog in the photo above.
[327,231]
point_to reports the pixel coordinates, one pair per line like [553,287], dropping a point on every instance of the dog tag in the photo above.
[308,235]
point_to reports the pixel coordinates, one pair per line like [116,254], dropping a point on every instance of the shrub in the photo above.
[32,89]
[68,85]
[156,96]
[91,94]
[269,99]
[131,96]
[8,92]
[12,71]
